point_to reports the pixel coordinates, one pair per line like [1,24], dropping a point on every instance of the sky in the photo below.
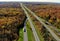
[58,1]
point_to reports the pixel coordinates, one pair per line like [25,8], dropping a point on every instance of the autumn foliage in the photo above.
[49,12]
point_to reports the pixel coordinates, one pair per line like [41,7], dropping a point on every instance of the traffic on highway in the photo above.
[46,25]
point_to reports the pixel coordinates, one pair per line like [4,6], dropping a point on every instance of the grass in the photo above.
[52,24]
[39,33]
[58,29]
[30,33]
[20,35]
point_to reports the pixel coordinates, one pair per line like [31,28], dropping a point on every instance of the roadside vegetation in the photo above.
[42,32]
[30,33]
[11,16]
[49,12]
[39,32]
[21,35]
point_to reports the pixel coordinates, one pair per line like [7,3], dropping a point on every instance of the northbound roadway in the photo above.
[31,24]
[47,27]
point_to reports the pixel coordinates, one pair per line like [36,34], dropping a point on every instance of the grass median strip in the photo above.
[30,33]
[37,30]
[20,35]
[39,33]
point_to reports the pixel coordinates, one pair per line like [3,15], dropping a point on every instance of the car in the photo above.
[24,30]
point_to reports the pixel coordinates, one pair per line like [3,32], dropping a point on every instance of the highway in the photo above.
[31,24]
[25,32]
[50,25]
[47,27]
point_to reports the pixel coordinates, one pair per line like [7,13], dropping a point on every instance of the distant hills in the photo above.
[9,4]
[30,2]
[17,4]
[41,3]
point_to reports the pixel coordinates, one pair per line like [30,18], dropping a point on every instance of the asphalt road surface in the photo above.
[51,32]
[25,35]
[25,32]
[31,24]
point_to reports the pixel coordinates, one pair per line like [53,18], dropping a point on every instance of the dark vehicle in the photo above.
[24,30]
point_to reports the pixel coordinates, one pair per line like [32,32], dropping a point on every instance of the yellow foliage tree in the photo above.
[50,20]
[58,20]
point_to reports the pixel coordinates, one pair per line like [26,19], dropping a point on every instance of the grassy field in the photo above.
[30,33]
[21,35]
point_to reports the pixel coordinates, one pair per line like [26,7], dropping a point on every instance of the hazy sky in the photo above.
[58,1]
[50,0]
